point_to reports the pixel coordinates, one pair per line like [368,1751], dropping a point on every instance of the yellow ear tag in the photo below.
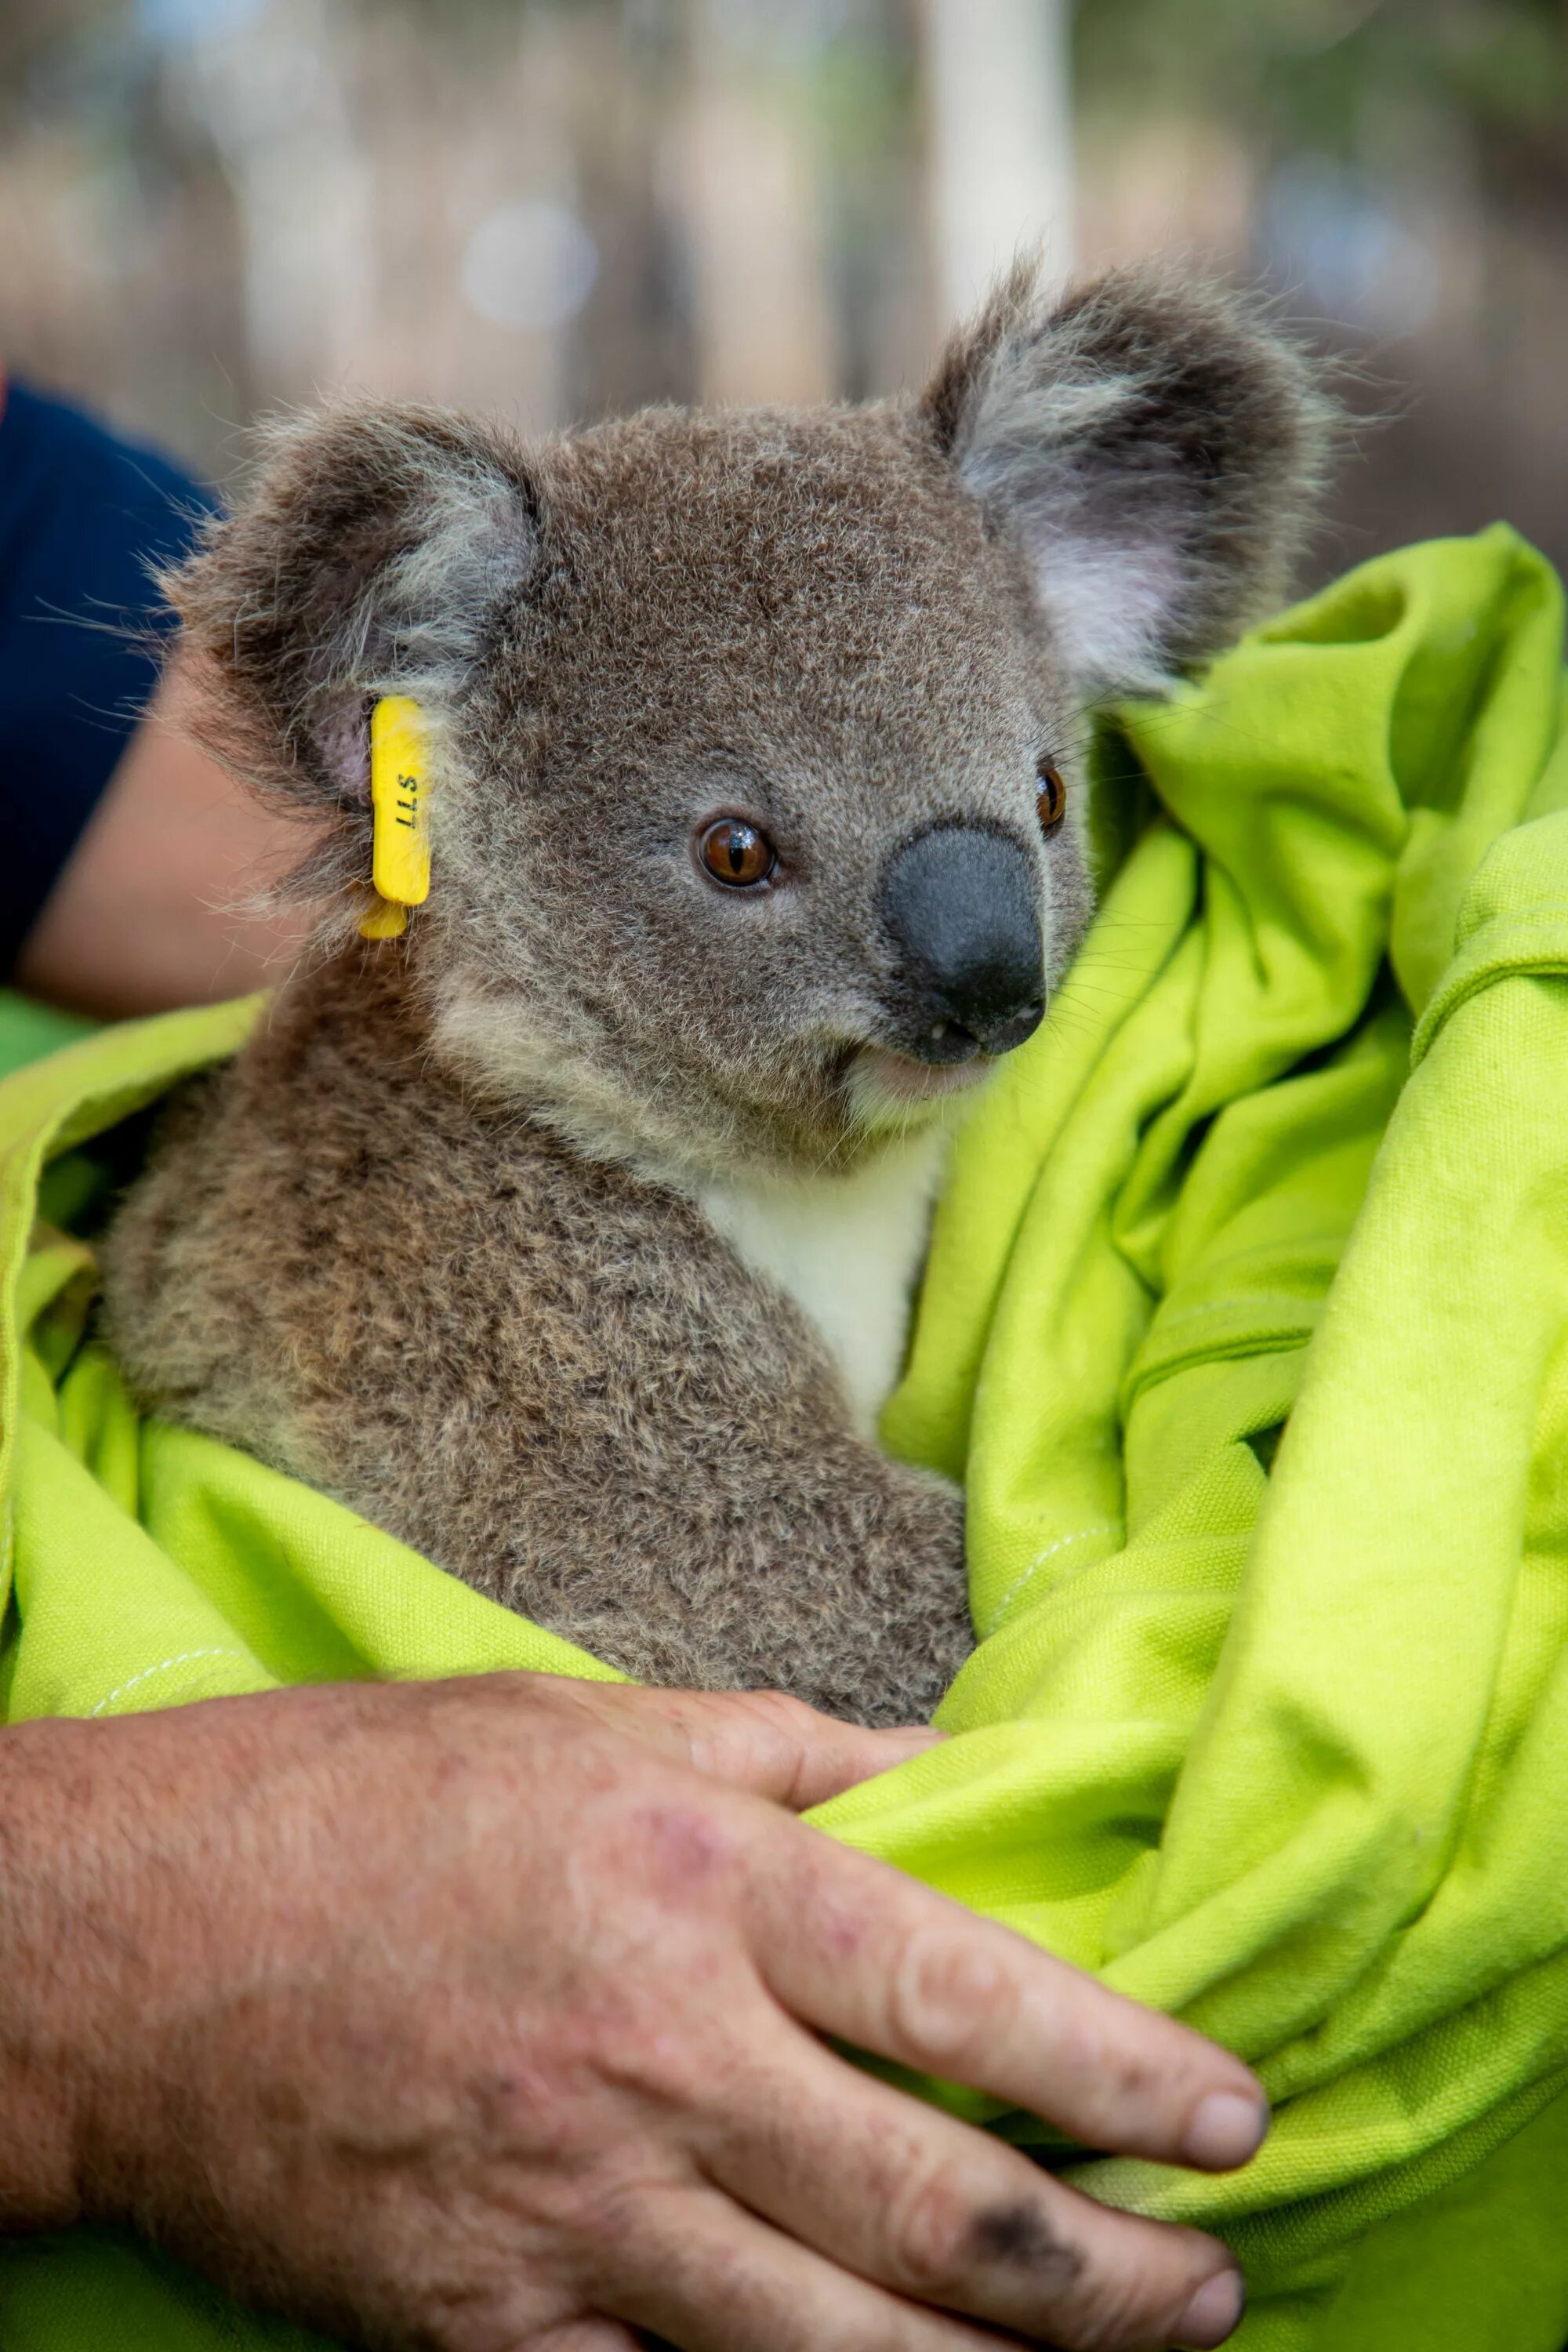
[384,921]
[399,800]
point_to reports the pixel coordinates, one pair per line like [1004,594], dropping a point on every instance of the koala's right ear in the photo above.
[1151,447]
[370,558]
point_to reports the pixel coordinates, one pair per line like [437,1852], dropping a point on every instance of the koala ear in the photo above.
[1151,446]
[370,557]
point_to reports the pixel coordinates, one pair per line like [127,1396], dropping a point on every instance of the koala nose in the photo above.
[961,906]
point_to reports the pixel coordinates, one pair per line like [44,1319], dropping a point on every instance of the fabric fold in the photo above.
[1246,1326]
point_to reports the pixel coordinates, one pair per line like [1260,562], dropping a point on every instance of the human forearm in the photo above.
[155,907]
[65,1957]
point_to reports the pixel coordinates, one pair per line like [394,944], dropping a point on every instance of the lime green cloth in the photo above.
[1246,1323]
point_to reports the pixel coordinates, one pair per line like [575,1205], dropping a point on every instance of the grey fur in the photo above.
[449,1238]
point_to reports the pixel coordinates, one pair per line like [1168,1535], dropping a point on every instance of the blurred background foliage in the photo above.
[560,208]
[1307,69]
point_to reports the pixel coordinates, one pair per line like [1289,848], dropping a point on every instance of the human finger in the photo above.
[585,2335]
[763,1742]
[711,2277]
[862,1951]
[935,2209]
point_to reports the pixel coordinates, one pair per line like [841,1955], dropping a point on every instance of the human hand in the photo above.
[482,2016]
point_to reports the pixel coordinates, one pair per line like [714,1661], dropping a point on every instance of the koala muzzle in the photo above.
[961,904]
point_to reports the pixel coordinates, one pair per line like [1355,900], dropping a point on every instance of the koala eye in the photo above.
[1051,799]
[736,854]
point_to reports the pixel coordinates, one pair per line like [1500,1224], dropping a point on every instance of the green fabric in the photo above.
[1247,1324]
[29,1030]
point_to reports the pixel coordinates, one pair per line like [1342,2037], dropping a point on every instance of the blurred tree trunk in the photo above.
[744,161]
[999,106]
[279,118]
[634,342]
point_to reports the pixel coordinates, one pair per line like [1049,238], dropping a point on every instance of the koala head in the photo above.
[757,792]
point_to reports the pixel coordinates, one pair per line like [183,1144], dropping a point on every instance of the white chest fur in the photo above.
[847,1249]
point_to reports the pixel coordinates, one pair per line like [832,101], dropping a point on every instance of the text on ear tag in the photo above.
[399,799]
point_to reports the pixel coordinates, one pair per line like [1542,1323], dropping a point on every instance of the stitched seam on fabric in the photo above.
[1542,917]
[1474,973]
[166,1665]
[1103,1527]
[1223,1306]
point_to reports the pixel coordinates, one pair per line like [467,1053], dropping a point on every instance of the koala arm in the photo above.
[745,1535]
[547,1374]
[654,1455]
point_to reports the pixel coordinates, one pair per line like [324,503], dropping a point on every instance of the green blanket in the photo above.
[1247,1324]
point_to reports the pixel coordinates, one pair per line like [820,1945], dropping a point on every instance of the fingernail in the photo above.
[1226,2128]
[916,1735]
[1214,2312]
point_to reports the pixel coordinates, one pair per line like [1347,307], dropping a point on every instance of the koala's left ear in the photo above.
[372,555]
[1152,445]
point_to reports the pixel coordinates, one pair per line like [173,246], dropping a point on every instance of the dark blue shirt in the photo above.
[84,515]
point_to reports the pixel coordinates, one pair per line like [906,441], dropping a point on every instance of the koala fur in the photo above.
[571,1235]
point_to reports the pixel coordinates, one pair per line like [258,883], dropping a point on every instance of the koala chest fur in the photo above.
[848,1250]
[571,1235]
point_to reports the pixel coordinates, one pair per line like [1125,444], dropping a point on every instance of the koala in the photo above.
[571,1235]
